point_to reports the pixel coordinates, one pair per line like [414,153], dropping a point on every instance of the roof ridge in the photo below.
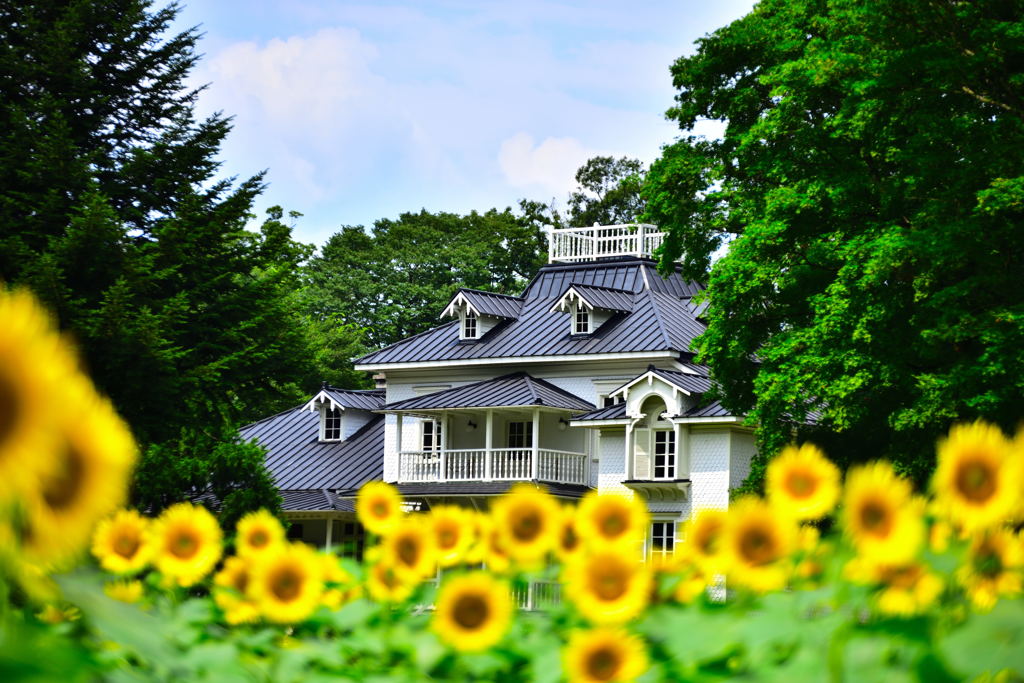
[657,318]
[356,391]
[271,417]
[484,291]
[607,289]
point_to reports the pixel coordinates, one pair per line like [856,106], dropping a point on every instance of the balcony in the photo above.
[568,245]
[498,464]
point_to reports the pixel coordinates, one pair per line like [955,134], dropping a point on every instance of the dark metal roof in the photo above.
[314,500]
[612,412]
[660,319]
[482,488]
[298,460]
[516,389]
[603,297]
[714,409]
[489,303]
[362,399]
[696,384]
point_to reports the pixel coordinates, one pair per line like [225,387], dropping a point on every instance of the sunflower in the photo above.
[903,589]
[339,586]
[379,507]
[692,579]
[605,519]
[385,584]
[882,518]
[258,532]
[34,364]
[85,480]
[124,591]
[410,548]
[608,586]
[604,654]
[480,534]
[119,542]
[287,583]
[994,565]
[231,585]
[473,612]
[569,542]
[978,477]
[526,519]
[758,545]
[802,482]
[453,530]
[703,538]
[186,543]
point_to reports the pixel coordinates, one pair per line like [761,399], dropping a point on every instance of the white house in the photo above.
[584,381]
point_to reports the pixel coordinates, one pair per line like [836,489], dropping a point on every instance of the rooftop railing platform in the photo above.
[570,245]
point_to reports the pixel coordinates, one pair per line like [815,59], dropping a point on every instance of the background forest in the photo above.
[869,185]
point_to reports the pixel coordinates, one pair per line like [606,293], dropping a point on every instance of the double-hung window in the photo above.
[332,424]
[581,321]
[431,441]
[663,539]
[469,326]
[664,454]
[520,434]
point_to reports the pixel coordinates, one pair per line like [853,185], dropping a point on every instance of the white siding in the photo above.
[709,468]
[354,419]
[611,468]
[743,449]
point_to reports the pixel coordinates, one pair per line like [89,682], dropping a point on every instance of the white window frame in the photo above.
[581,314]
[527,434]
[662,551]
[468,317]
[671,457]
[331,421]
[430,436]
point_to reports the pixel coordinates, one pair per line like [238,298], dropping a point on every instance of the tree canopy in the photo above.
[393,281]
[869,186]
[112,212]
[608,192]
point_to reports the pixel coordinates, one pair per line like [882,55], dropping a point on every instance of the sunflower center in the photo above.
[379,509]
[471,611]
[603,664]
[408,551]
[757,546]
[609,582]
[707,537]
[800,484]
[988,562]
[903,577]
[447,537]
[259,538]
[976,481]
[875,518]
[526,525]
[184,545]
[613,524]
[9,408]
[62,487]
[126,545]
[286,584]
[387,577]
[569,538]
[240,581]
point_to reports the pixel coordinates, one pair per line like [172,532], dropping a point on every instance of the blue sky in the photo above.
[364,111]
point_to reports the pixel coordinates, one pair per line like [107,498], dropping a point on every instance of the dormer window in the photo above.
[581,321]
[469,328]
[332,424]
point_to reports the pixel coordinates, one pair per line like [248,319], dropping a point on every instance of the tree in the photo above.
[393,282]
[609,192]
[110,209]
[869,186]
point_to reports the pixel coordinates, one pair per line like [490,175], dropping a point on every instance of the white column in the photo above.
[535,463]
[489,446]
[628,474]
[330,533]
[443,422]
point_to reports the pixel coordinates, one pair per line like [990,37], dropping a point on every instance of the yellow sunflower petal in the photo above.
[604,654]
[977,480]
[473,612]
[802,482]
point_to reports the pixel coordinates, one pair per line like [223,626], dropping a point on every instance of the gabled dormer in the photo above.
[678,390]
[589,306]
[480,312]
[343,411]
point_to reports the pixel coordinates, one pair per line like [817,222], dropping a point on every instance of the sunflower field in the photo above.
[826,577]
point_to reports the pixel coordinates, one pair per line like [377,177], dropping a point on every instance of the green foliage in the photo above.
[609,192]
[869,186]
[111,212]
[394,281]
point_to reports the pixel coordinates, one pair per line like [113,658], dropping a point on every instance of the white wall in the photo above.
[353,420]
[709,468]
[744,448]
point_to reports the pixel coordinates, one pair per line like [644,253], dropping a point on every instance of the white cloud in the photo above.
[548,166]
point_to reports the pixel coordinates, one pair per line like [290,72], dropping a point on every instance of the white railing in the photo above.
[537,595]
[564,467]
[600,241]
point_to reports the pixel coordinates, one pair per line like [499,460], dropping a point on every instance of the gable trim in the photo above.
[507,360]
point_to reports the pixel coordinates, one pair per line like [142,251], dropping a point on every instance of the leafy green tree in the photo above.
[609,192]
[111,211]
[393,281]
[869,186]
